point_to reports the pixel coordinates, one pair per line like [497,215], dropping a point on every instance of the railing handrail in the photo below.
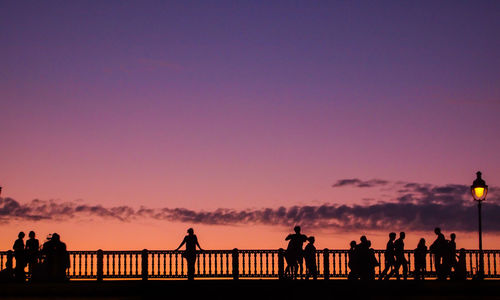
[233,263]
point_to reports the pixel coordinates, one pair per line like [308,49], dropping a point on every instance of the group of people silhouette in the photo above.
[45,263]
[362,259]
[50,261]
[295,256]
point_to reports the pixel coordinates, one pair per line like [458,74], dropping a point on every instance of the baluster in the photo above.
[209,263]
[158,264]
[91,264]
[136,264]
[489,268]
[261,270]
[215,263]
[379,264]
[340,262]
[243,263]
[107,264]
[221,263]
[318,261]
[273,262]
[267,263]
[1,262]
[152,264]
[227,263]
[495,263]
[85,265]
[114,264]
[200,265]
[164,263]
[346,266]
[470,262]
[409,262]
[255,262]
[119,264]
[430,262]
[125,273]
[80,264]
[334,265]
[170,264]
[176,265]
[74,264]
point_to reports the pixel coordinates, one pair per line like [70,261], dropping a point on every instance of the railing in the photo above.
[233,264]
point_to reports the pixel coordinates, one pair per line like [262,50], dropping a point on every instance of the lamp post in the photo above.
[479,189]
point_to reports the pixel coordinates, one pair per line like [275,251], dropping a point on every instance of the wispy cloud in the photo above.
[415,207]
[360,183]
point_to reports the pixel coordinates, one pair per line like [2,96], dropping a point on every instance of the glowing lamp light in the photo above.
[479,189]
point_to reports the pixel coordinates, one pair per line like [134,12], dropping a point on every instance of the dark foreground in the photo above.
[253,289]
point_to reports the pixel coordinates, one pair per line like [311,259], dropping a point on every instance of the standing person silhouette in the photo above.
[399,252]
[452,248]
[438,248]
[20,256]
[294,253]
[32,251]
[191,242]
[310,258]
[353,264]
[420,254]
[389,259]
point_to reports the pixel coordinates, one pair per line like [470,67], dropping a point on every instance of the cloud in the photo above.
[415,206]
[360,183]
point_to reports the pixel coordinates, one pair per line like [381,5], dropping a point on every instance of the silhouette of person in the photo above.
[310,258]
[20,255]
[372,262]
[362,258]
[7,274]
[461,267]
[352,264]
[420,255]
[389,258]
[399,252]
[438,248]
[294,252]
[452,247]
[189,254]
[56,258]
[32,251]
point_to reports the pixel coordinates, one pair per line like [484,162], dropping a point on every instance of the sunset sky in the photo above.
[123,123]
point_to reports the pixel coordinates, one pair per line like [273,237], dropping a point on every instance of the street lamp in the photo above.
[479,189]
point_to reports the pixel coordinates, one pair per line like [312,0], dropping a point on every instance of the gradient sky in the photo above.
[240,105]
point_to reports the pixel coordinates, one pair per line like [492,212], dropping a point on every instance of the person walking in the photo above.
[389,259]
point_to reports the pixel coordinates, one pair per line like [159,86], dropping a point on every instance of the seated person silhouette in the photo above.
[191,242]
[310,258]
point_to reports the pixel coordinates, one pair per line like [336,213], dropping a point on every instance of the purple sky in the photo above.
[244,104]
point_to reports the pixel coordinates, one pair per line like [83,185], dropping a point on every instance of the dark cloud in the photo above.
[360,183]
[415,207]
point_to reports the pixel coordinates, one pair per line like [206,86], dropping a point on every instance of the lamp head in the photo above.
[479,189]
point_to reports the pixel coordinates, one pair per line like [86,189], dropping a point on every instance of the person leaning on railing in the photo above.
[191,242]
